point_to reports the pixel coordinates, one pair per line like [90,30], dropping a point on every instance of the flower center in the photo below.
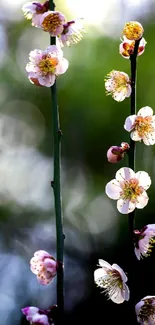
[131,190]
[143,125]
[47,65]
[111,282]
[128,48]
[146,311]
[119,82]
[51,23]
[133,30]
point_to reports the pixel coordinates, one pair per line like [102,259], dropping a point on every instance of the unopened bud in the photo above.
[116,153]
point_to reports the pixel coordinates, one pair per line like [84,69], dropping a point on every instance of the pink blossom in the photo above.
[113,281]
[145,310]
[44,66]
[117,84]
[52,22]
[129,189]
[142,126]
[116,153]
[34,10]
[72,33]
[44,266]
[144,241]
[126,48]
[38,316]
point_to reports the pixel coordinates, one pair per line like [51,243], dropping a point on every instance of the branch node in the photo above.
[60,132]
[52,184]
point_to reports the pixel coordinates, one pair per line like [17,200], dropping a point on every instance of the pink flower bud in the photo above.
[44,266]
[38,316]
[116,153]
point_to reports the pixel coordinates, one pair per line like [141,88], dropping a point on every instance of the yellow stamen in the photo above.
[147,310]
[118,81]
[133,30]
[47,65]
[51,22]
[131,190]
[143,125]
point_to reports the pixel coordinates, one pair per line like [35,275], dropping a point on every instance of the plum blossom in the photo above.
[38,316]
[72,33]
[117,84]
[34,10]
[126,48]
[113,280]
[142,126]
[44,66]
[44,266]
[145,310]
[129,188]
[133,30]
[52,22]
[116,153]
[144,241]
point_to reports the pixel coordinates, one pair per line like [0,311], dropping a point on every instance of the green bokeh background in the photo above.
[91,122]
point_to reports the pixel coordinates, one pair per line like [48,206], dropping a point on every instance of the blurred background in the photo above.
[91,122]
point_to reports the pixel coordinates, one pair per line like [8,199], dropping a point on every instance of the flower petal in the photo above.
[145,111]
[149,139]
[62,67]
[47,81]
[137,253]
[129,123]
[125,206]
[124,173]
[31,311]
[108,85]
[142,200]
[138,306]
[117,297]
[113,189]
[40,319]
[36,20]
[50,265]
[99,273]
[43,278]
[135,136]
[144,179]
[41,254]
[126,292]
[119,269]
[104,264]
[32,68]
[55,50]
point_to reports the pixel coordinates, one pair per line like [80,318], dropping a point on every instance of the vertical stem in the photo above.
[56,184]
[131,156]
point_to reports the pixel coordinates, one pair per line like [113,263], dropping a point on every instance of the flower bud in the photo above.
[133,30]
[116,153]
[44,266]
[126,48]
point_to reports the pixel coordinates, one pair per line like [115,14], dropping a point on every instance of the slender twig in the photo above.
[56,184]
[131,156]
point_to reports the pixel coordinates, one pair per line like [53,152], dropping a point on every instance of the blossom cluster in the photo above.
[43,68]
[54,22]
[44,266]
[46,65]
[129,188]
[118,83]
